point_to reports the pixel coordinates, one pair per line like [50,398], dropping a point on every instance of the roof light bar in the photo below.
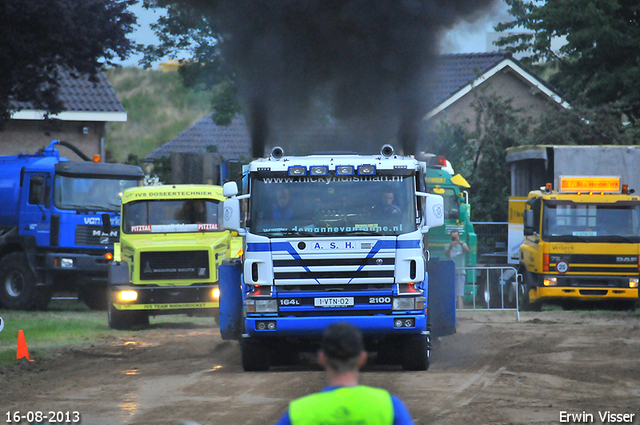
[344,170]
[318,170]
[297,170]
[366,170]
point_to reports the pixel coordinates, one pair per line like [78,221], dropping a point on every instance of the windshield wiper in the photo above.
[294,232]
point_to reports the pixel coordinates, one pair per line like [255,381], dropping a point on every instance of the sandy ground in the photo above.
[494,370]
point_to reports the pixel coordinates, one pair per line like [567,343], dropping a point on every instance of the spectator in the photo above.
[343,401]
[457,250]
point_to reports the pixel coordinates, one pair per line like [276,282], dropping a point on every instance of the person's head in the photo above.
[387,197]
[199,206]
[342,348]
[455,235]
[282,197]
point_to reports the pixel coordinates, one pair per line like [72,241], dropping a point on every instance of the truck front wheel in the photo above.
[416,353]
[525,303]
[255,356]
[18,286]
[125,320]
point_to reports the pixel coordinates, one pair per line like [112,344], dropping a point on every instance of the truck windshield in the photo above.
[569,221]
[320,206]
[172,216]
[98,194]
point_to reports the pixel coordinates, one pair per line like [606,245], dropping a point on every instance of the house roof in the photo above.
[456,74]
[82,100]
[232,142]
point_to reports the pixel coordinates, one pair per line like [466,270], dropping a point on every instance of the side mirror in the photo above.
[527,217]
[231,218]
[229,189]
[433,212]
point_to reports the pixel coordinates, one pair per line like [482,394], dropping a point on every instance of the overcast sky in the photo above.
[464,38]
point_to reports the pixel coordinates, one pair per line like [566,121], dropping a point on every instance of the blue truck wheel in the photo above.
[18,286]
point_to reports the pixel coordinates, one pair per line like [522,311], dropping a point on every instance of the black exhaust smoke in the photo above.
[334,74]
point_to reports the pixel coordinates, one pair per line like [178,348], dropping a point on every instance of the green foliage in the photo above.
[479,155]
[598,64]
[40,38]
[184,28]
[159,107]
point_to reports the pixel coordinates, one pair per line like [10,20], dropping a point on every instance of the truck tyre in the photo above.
[126,320]
[18,286]
[523,288]
[416,353]
[255,356]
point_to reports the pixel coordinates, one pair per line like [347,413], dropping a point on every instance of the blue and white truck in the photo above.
[327,238]
[58,222]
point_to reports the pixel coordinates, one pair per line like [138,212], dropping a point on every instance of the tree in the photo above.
[599,63]
[184,28]
[39,38]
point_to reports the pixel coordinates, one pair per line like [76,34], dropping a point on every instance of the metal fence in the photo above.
[494,288]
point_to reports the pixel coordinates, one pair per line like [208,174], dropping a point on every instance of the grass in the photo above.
[66,323]
[158,107]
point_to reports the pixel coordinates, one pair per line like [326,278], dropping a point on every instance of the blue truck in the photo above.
[327,238]
[58,222]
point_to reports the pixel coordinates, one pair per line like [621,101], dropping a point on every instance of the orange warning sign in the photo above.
[587,184]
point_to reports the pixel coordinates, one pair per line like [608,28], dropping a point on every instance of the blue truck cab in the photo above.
[328,238]
[58,223]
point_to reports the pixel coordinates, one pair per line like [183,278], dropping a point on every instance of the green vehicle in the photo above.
[442,180]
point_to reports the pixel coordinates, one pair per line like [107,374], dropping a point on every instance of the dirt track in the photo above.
[493,371]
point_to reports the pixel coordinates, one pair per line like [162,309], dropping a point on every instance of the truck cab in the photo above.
[58,223]
[581,243]
[442,180]
[334,237]
[172,242]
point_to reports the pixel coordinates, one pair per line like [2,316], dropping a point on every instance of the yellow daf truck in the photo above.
[171,245]
[581,236]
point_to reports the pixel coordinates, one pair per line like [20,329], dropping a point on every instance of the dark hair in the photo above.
[342,341]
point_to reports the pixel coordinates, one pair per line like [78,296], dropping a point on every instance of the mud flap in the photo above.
[442,298]
[230,283]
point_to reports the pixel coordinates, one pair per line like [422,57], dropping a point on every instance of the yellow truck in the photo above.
[582,236]
[171,245]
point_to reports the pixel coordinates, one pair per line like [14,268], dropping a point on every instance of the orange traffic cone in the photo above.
[22,347]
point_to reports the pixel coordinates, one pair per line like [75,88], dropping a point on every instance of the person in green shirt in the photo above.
[344,401]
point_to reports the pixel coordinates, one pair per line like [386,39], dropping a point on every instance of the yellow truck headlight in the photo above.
[550,281]
[215,293]
[633,282]
[127,295]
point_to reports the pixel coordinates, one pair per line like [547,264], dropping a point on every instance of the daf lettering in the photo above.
[626,259]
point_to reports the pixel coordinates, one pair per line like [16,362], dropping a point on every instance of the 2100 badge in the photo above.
[50,416]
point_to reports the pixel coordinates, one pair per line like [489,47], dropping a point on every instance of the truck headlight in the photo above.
[633,282]
[404,303]
[550,281]
[215,293]
[266,306]
[127,295]
[66,263]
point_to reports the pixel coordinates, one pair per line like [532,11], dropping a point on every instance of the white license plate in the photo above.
[334,302]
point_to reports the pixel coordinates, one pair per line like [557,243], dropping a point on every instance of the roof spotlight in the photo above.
[277,153]
[387,151]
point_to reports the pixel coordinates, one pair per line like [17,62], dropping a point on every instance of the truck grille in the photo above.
[336,271]
[174,265]
[94,236]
